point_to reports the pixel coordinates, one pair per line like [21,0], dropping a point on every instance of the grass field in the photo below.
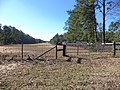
[33,50]
[52,74]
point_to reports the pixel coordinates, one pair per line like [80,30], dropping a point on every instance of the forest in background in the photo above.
[113,34]
[82,24]
[11,35]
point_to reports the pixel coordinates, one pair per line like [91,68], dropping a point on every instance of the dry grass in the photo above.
[61,75]
[51,74]
[33,50]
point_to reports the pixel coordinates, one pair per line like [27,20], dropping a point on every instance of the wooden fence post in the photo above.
[77,50]
[64,50]
[22,51]
[56,52]
[114,49]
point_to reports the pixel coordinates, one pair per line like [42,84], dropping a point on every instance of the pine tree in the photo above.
[82,22]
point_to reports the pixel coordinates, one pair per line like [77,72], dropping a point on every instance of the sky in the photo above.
[41,19]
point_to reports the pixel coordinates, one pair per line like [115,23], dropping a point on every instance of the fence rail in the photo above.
[84,48]
[23,51]
[46,50]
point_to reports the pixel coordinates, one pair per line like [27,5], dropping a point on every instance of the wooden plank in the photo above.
[117,44]
[45,52]
[59,49]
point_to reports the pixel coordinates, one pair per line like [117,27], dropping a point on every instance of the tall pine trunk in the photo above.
[103,21]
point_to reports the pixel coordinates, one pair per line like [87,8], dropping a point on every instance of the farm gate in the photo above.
[46,50]
[29,51]
[96,50]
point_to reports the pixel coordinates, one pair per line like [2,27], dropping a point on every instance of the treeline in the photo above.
[112,34]
[11,35]
[57,39]
[82,24]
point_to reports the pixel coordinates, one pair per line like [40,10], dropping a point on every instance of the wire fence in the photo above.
[25,51]
[47,50]
[96,50]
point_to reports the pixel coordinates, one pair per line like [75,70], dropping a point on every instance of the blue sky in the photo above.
[38,18]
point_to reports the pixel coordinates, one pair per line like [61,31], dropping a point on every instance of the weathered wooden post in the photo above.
[114,48]
[56,51]
[22,51]
[77,44]
[77,50]
[64,50]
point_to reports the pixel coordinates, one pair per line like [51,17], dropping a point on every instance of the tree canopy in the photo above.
[11,35]
[81,24]
[57,39]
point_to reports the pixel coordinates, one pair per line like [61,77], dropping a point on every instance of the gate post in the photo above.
[64,50]
[114,48]
[56,52]
[22,52]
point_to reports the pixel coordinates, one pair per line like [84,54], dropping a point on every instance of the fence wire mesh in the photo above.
[87,50]
[46,50]
[29,50]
